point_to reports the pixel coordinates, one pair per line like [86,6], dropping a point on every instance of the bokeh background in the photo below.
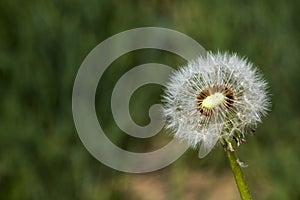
[42,46]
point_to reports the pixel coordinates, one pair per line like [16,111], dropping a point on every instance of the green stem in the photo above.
[238,175]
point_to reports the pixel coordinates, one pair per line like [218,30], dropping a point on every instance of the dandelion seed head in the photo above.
[214,97]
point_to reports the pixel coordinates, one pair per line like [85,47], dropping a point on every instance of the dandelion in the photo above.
[215,98]
[219,97]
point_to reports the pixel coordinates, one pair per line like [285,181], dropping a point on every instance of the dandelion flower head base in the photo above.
[213,100]
[212,97]
[217,97]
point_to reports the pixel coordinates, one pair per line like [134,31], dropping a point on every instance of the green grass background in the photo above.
[42,46]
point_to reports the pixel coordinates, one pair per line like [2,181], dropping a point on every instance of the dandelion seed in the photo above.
[218,97]
[242,164]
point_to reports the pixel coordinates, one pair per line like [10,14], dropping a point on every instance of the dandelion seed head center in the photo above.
[214,96]
[213,100]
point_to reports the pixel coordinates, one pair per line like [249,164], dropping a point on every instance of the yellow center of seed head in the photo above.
[213,100]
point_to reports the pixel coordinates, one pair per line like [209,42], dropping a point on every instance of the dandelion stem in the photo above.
[238,175]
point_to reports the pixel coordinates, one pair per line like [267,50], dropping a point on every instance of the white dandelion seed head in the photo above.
[214,97]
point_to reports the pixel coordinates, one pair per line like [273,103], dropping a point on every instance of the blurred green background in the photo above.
[42,46]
